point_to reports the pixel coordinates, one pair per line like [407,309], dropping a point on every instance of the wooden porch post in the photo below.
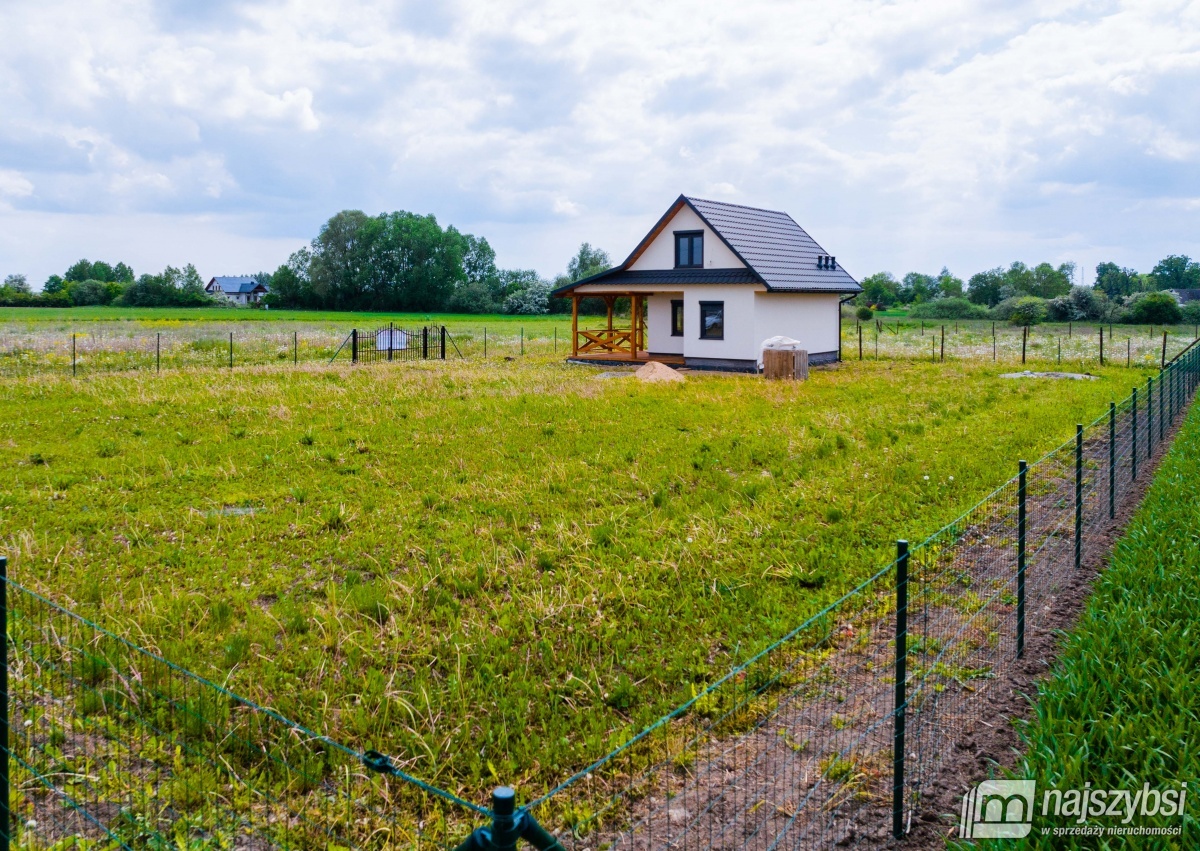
[633,321]
[574,324]
[609,301]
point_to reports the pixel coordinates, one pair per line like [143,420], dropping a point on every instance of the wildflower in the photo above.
[927,478]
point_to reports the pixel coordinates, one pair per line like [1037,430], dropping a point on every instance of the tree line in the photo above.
[1027,295]
[396,261]
[88,283]
[407,262]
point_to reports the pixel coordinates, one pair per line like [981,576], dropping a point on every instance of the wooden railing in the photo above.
[606,341]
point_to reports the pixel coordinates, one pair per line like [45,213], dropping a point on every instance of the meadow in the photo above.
[90,340]
[494,569]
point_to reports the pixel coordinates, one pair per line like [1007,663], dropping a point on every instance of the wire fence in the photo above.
[1074,345]
[103,347]
[836,734]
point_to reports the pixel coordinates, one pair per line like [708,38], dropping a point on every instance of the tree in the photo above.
[123,273]
[81,270]
[54,284]
[1081,303]
[916,287]
[985,287]
[17,284]
[1117,282]
[880,289]
[948,285]
[1049,282]
[1176,272]
[587,262]
[1019,277]
[89,292]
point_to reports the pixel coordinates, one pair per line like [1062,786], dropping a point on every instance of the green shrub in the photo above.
[1190,313]
[948,308]
[863,313]
[1023,310]
[1156,308]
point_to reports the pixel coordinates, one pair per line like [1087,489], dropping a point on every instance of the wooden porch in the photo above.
[619,359]
[611,343]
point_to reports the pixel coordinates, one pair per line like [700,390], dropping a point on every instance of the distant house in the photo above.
[1184,296]
[709,284]
[238,290]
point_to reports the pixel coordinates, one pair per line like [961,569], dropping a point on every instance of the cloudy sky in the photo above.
[902,135]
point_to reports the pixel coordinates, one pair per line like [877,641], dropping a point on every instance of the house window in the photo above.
[689,249]
[677,317]
[712,320]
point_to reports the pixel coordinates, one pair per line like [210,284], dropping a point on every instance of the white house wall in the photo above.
[811,318]
[658,325]
[740,342]
[660,254]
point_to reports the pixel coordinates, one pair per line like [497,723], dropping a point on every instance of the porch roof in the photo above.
[665,278]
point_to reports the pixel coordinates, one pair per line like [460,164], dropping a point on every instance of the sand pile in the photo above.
[657,372]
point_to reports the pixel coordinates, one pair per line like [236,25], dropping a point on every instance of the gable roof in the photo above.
[233,285]
[778,253]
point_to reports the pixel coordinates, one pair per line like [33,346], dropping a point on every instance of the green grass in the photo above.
[1122,707]
[491,566]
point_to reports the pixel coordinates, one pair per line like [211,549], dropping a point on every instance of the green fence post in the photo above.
[1022,469]
[5,820]
[1150,415]
[1133,435]
[900,696]
[1162,408]
[1078,495]
[1112,460]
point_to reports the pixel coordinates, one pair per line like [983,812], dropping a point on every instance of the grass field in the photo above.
[494,569]
[1122,707]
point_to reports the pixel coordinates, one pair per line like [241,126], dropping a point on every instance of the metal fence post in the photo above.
[1112,460]
[485,341]
[391,337]
[943,358]
[231,350]
[5,820]
[1078,495]
[425,343]
[72,355]
[295,348]
[443,342]
[1150,415]
[353,345]
[1022,469]
[1133,435]
[158,352]
[1162,431]
[522,339]
[860,341]
[1024,340]
[901,697]
[1102,345]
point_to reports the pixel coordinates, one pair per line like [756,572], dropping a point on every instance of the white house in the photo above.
[236,289]
[708,284]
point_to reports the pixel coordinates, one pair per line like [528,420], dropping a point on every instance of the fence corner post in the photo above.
[353,345]
[901,698]
[1022,471]
[443,342]
[504,821]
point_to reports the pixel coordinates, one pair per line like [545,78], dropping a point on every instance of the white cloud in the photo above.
[915,133]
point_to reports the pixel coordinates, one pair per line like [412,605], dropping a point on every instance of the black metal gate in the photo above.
[394,343]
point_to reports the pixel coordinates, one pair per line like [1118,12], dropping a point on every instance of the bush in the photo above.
[1081,303]
[1191,312]
[532,300]
[88,292]
[1155,308]
[948,308]
[863,313]
[1029,310]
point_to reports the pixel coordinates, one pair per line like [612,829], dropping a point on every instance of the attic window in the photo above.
[689,249]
